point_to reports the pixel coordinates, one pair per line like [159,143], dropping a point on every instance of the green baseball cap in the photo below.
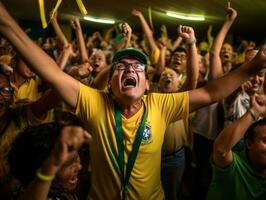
[132,52]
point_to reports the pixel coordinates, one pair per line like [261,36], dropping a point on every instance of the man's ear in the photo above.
[248,143]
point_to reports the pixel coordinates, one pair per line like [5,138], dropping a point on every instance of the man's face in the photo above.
[97,61]
[128,80]
[226,53]
[257,147]
[67,176]
[202,67]
[250,55]
[168,81]
[167,56]
[23,69]
[255,83]
[179,61]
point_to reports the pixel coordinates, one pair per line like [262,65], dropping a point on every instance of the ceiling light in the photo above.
[104,21]
[186,17]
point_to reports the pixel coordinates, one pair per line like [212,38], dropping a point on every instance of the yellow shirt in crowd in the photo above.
[29,90]
[95,108]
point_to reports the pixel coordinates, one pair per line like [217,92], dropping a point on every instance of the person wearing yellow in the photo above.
[125,107]
[100,107]
[13,118]
[177,135]
[27,86]
[25,83]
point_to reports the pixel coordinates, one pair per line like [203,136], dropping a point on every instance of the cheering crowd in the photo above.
[116,116]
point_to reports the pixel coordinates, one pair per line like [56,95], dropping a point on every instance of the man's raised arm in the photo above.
[39,61]
[216,90]
[188,35]
[228,138]
[216,69]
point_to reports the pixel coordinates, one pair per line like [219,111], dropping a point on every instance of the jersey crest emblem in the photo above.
[147,136]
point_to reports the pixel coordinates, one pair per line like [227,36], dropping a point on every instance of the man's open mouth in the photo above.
[74,180]
[96,65]
[167,80]
[225,55]
[129,82]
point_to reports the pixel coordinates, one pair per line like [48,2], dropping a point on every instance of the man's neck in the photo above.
[17,79]
[128,110]
[227,66]
[257,167]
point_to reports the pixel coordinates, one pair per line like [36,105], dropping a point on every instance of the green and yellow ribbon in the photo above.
[42,10]
[42,13]
[150,17]
[81,7]
[56,7]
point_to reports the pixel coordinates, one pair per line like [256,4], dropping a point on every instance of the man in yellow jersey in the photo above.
[176,137]
[23,80]
[128,127]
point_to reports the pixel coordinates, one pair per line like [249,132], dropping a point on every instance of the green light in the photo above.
[185,17]
[104,21]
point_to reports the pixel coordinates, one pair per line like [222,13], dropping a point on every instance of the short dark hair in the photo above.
[179,49]
[33,146]
[250,133]
[30,149]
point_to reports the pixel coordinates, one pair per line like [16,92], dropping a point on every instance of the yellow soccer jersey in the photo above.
[96,109]
[28,90]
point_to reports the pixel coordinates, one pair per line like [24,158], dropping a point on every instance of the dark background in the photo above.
[250,23]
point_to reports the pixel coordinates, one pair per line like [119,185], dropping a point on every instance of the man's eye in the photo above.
[120,65]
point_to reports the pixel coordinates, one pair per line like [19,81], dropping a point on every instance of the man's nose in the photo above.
[129,68]
[257,78]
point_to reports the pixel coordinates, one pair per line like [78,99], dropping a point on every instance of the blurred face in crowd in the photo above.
[250,54]
[97,61]
[179,61]
[167,57]
[6,95]
[255,83]
[202,67]
[168,82]
[256,147]
[23,69]
[226,53]
[67,176]
[128,80]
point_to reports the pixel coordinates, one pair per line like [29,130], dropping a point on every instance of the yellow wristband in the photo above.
[43,177]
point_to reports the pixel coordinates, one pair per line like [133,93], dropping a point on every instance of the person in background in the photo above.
[127,126]
[13,118]
[51,172]
[241,175]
